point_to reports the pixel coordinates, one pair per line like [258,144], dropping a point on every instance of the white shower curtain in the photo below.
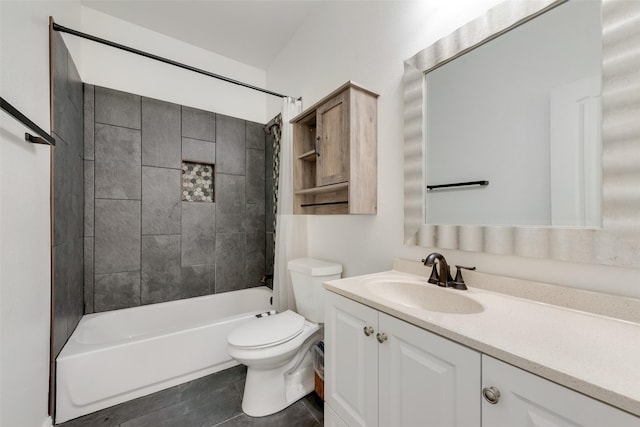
[291,230]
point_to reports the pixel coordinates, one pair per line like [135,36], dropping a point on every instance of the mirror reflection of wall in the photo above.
[523,112]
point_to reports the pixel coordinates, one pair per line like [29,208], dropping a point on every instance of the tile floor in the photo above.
[211,401]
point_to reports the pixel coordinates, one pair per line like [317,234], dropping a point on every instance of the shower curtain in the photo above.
[290,230]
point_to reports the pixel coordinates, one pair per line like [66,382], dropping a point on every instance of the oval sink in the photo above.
[424,296]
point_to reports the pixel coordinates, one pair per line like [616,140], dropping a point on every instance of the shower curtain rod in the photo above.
[62,29]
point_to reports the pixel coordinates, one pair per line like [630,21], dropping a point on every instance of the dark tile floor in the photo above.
[214,400]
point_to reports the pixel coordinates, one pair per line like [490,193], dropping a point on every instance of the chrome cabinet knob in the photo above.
[368,330]
[491,394]
[382,337]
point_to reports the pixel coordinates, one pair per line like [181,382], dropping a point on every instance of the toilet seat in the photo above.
[267,331]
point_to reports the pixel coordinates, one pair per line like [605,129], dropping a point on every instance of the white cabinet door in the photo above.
[351,361]
[426,380]
[331,419]
[528,400]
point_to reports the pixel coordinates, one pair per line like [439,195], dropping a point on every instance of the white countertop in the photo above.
[593,354]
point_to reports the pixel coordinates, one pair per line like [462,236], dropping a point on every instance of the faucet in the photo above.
[444,278]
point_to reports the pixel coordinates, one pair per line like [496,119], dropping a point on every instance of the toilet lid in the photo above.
[266,331]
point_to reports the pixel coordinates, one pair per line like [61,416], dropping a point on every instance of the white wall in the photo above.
[105,66]
[24,211]
[367,42]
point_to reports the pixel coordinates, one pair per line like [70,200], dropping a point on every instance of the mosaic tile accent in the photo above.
[197,182]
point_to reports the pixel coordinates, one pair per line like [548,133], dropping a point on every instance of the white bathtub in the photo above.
[119,355]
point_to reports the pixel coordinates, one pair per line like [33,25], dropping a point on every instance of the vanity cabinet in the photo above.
[381,371]
[528,400]
[335,154]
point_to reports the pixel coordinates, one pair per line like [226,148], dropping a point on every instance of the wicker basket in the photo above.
[319,386]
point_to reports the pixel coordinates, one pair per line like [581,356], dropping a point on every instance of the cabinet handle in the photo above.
[382,337]
[315,147]
[491,394]
[368,330]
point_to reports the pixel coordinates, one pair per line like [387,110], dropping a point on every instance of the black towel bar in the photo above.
[44,137]
[458,184]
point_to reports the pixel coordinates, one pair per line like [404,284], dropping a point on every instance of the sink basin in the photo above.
[425,296]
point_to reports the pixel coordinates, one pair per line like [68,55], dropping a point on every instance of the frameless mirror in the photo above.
[517,120]
[547,217]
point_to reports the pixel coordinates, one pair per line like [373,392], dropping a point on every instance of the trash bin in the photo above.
[318,365]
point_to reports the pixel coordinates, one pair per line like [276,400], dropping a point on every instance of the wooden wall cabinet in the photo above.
[335,154]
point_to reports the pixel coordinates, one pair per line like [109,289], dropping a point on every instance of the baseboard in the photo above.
[48,422]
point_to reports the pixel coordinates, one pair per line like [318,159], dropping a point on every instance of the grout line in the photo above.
[140,270]
[120,126]
[229,419]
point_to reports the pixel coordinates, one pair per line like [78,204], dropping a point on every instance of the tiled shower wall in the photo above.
[143,243]
[67,195]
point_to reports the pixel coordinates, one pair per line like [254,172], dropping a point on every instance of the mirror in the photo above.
[617,242]
[520,114]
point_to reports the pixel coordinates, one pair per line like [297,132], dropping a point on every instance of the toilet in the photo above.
[275,348]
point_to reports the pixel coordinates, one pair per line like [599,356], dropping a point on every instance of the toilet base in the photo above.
[268,391]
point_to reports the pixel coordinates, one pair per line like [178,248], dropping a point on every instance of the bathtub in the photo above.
[120,355]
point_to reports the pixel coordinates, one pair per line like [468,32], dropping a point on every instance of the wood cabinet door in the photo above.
[528,400]
[332,145]
[351,361]
[426,380]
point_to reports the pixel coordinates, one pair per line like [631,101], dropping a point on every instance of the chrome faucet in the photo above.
[443,278]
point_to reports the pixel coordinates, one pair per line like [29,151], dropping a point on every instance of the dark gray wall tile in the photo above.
[195,150]
[161,134]
[117,108]
[255,257]
[69,122]
[230,145]
[76,283]
[198,233]
[161,208]
[117,164]
[230,262]
[255,136]
[68,197]
[269,252]
[76,220]
[255,177]
[230,203]
[160,272]
[74,86]
[88,275]
[61,191]
[60,82]
[77,175]
[89,120]
[117,290]
[255,219]
[117,236]
[198,124]
[88,197]
[60,296]
[197,280]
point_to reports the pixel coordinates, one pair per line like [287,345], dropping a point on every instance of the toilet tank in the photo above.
[307,276]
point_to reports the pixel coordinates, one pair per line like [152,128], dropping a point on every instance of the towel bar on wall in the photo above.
[458,184]
[44,137]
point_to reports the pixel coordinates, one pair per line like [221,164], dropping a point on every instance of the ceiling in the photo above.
[249,31]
